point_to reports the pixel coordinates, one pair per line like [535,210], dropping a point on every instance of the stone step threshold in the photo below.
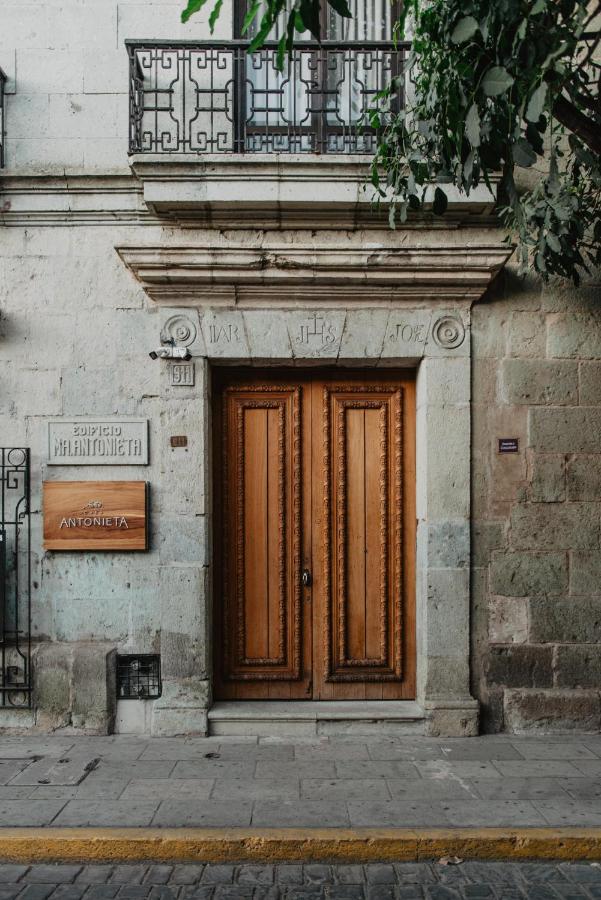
[269,845]
[305,717]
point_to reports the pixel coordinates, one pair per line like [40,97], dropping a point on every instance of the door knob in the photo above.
[306,578]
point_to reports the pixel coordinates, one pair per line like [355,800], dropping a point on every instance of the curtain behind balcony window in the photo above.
[316,104]
[372,21]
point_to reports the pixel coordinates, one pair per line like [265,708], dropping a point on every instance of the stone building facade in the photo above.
[278,263]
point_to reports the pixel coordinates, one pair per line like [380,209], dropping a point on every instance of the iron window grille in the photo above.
[3,80]
[15,578]
[213,97]
[139,676]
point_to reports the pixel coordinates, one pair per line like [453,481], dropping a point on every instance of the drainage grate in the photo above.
[139,677]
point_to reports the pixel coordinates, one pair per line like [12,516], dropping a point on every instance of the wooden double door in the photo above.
[315,535]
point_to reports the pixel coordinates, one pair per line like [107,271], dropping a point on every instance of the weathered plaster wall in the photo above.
[75,332]
[536,581]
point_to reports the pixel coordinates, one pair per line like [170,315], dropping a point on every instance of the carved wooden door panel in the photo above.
[314,537]
[363,538]
[263,637]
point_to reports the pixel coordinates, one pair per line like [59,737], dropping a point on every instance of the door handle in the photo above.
[306,578]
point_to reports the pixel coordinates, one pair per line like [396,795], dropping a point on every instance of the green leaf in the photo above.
[440,202]
[539,7]
[215,15]
[468,168]
[290,32]
[472,126]
[281,53]
[193,7]
[309,13]
[496,81]
[250,15]
[299,25]
[341,7]
[523,154]
[464,29]
[534,138]
[553,242]
[536,103]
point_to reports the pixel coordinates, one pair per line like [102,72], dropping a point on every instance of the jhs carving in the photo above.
[316,331]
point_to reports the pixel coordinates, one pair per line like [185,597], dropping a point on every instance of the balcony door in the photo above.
[318,102]
[315,536]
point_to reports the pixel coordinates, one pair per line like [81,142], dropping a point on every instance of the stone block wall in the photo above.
[536,532]
[75,331]
[67,69]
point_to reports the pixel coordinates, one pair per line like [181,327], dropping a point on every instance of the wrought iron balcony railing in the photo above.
[2,121]
[211,97]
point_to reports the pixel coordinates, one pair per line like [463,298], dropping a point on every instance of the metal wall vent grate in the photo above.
[139,676]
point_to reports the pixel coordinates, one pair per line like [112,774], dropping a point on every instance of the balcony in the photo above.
[214,98]
[220,136]
[2,128]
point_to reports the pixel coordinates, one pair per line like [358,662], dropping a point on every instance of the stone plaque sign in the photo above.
[509,445]
[95,515]
[98,442]
[182,374]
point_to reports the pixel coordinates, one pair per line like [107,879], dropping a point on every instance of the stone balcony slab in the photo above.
[285,190]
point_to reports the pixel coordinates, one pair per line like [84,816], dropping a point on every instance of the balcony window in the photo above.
[213,97]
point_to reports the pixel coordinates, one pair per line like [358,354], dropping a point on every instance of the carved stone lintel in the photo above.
[247,275]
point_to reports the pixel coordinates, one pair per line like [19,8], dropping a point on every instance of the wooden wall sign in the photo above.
[95,515]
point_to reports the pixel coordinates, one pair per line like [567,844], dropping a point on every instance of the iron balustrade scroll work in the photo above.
[3,80]
[215,98]
[15,578]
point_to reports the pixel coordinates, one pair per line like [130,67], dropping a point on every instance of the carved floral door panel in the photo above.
[315,536]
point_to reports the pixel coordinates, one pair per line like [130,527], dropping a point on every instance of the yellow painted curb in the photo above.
[281,844]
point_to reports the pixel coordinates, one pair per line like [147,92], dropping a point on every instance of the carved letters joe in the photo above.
[98,442]
[95,515]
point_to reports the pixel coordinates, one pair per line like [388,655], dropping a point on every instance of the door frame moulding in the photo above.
[443,518]
[435,342]
[364,304]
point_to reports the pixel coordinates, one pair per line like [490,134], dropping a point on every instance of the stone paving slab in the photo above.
[310,881]
[129,781]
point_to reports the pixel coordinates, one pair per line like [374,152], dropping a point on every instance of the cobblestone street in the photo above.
[126,781]
[401,881]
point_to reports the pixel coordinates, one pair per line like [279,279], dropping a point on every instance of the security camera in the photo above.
[170,353]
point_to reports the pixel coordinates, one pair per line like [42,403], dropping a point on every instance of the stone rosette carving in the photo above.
[179,330]
[448,332]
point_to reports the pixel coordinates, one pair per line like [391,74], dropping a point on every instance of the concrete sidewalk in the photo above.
[126,781]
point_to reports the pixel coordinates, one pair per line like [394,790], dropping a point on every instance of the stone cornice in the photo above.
[292,274]
[28,200]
